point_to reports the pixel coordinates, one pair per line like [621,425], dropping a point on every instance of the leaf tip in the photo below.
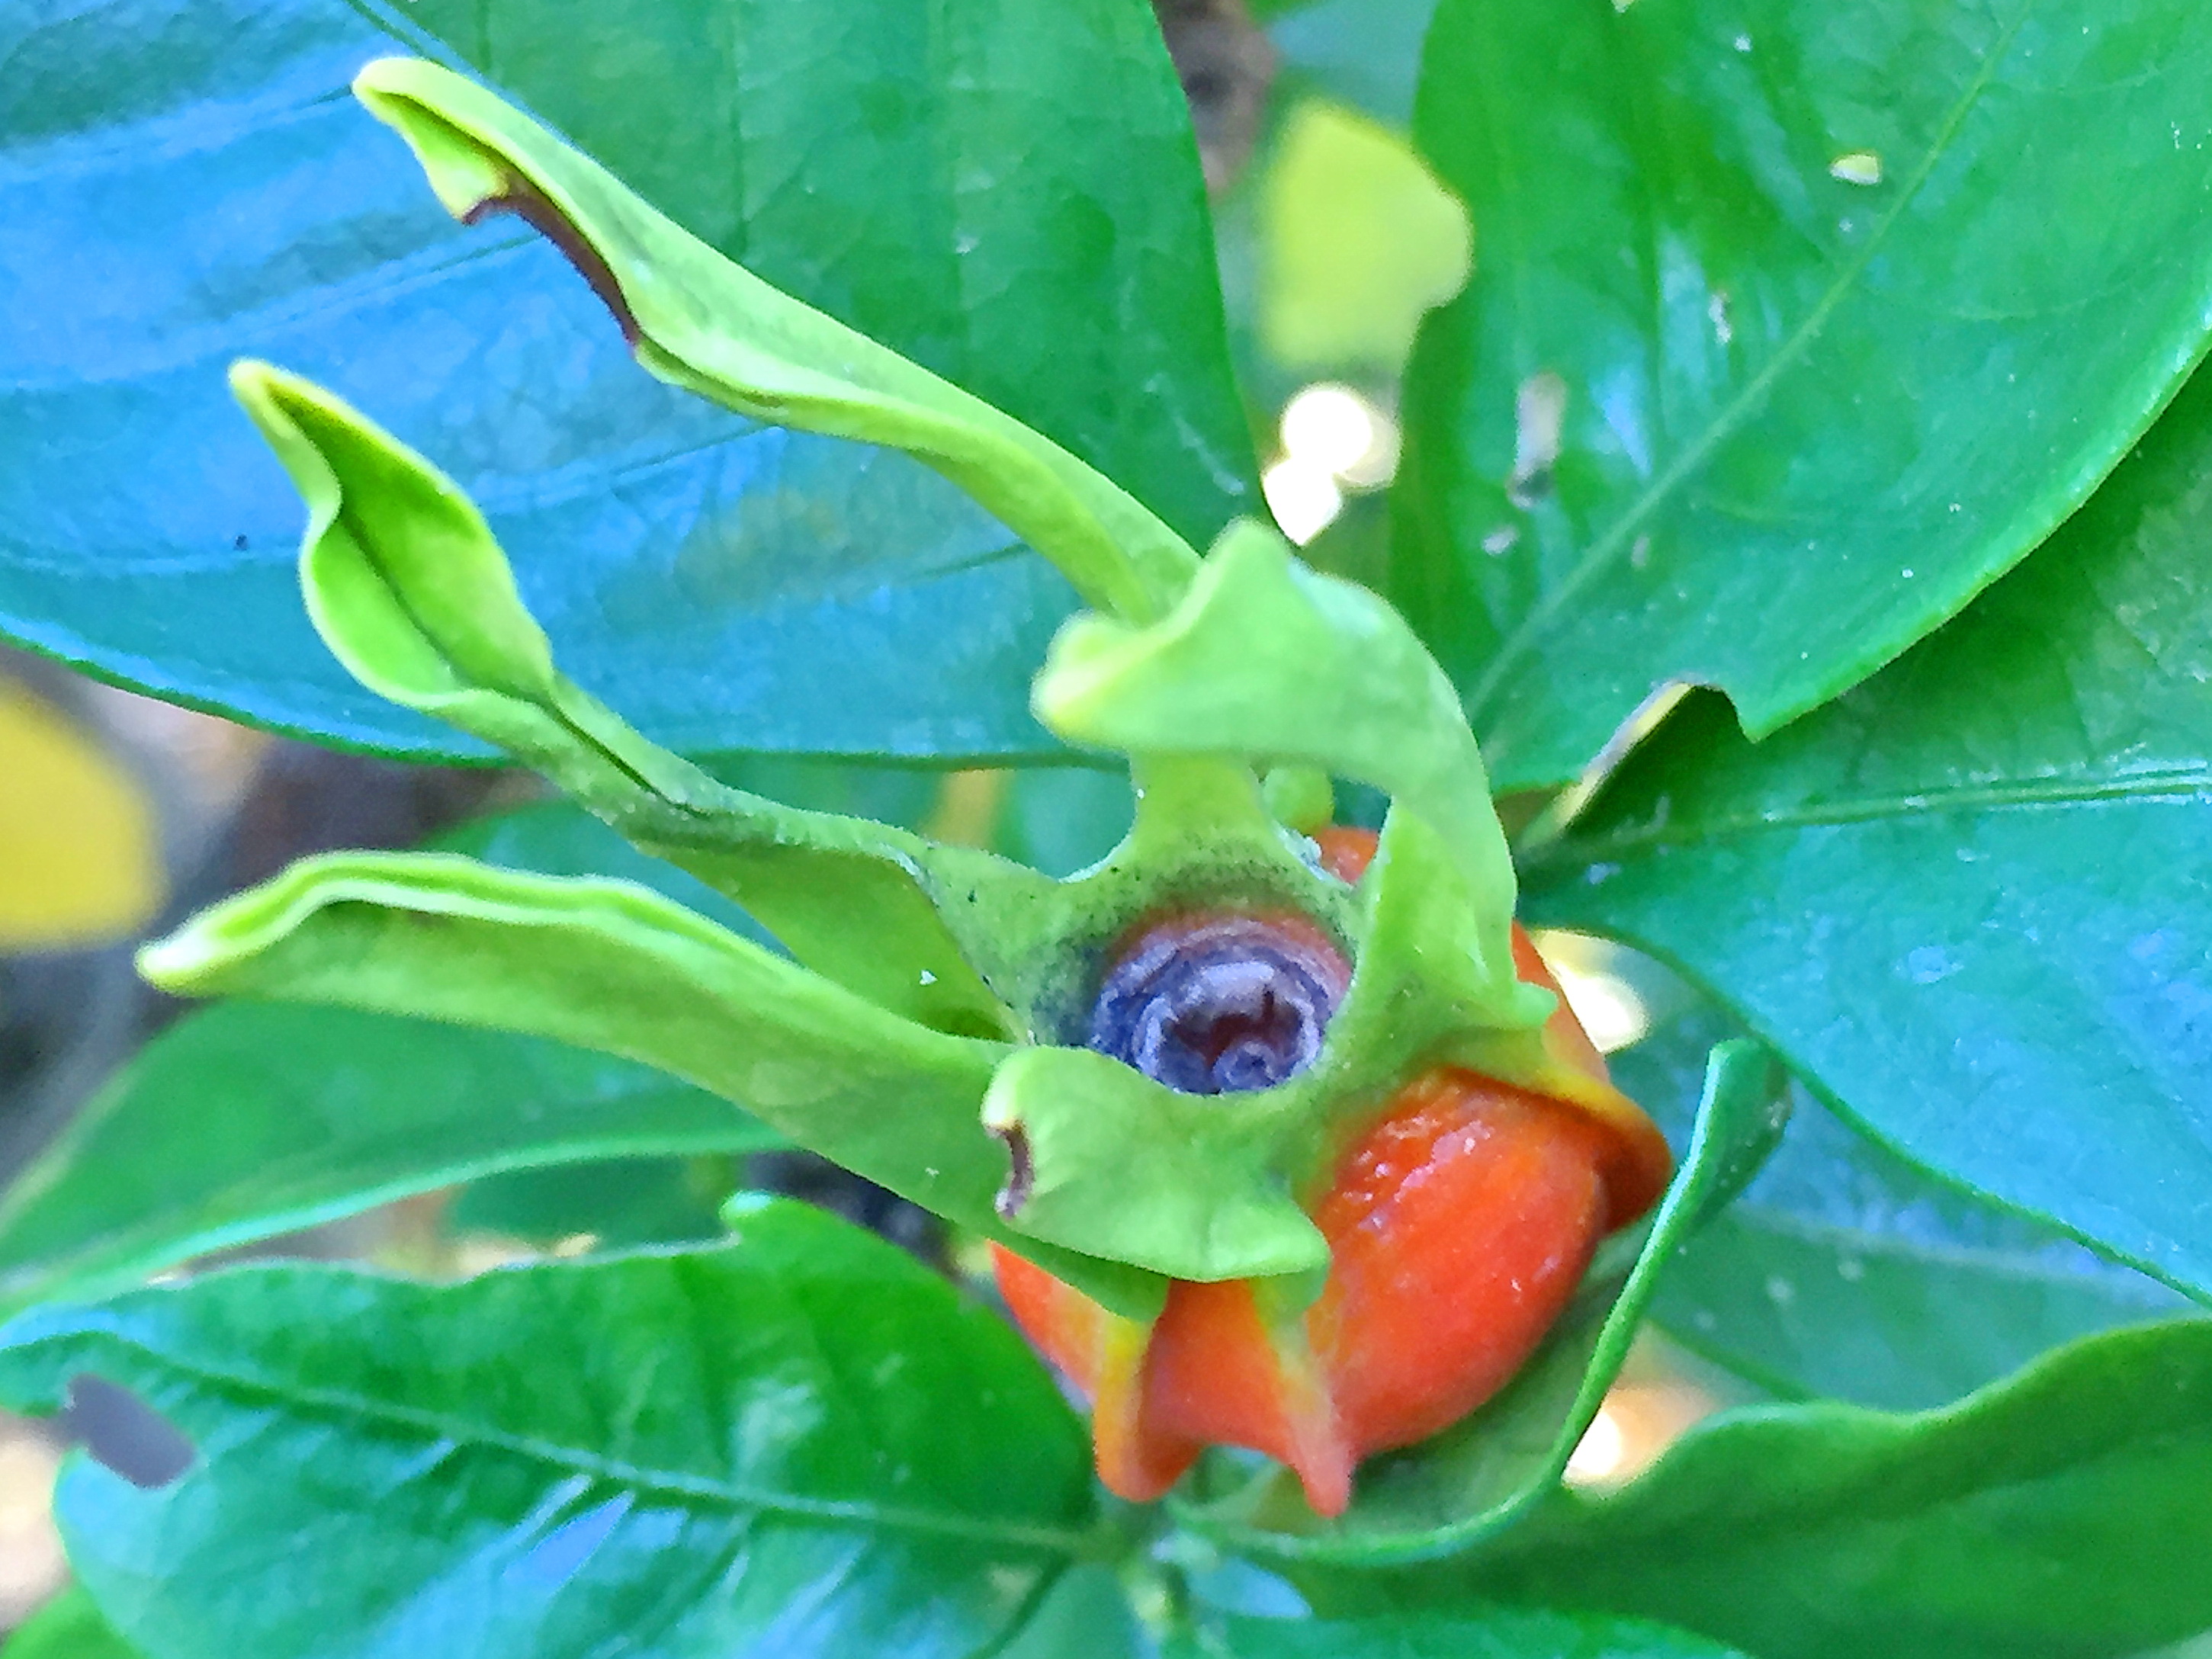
[175,963]
[268,395]
[394,88]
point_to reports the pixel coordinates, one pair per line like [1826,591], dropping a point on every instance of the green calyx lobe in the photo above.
[701,322]
[1265,663]
[406,584]
[930,1029]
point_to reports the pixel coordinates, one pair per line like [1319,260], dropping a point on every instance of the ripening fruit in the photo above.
[1458,1224]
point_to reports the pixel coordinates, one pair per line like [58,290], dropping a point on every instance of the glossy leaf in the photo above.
[1971,902]
[1493,1633]
[2062,1513]
[1845,1272]
[729,587]
[1478,1478]
[67,1627]
[680,1453]
[1791,328]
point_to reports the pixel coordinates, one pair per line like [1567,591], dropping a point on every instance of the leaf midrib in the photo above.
[2011,1264]
[2008,797]
[668,1484]
[1724,425]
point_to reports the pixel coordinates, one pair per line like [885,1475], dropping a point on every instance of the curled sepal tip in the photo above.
[408,587]
[702,322]
[402,577]
[1267,660]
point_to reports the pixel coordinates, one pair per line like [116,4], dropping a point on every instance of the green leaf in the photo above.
[1792,327]
[1087,1615]
[799,1445]
[615,1201]
[1845,1272]
[68,1627]
[611,966]
[2062,1513]
[247,1120]
[729,587]
[1494,1634]
[408,588]
[1478,1478]
[1970,903]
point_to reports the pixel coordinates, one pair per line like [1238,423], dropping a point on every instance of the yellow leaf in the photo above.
[79,863]
[1360,239]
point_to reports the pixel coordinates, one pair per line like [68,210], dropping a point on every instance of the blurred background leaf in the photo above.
[1361,241]
[68,1627]
[80,856]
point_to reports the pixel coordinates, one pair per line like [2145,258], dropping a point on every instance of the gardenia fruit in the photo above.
[1458,1223]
